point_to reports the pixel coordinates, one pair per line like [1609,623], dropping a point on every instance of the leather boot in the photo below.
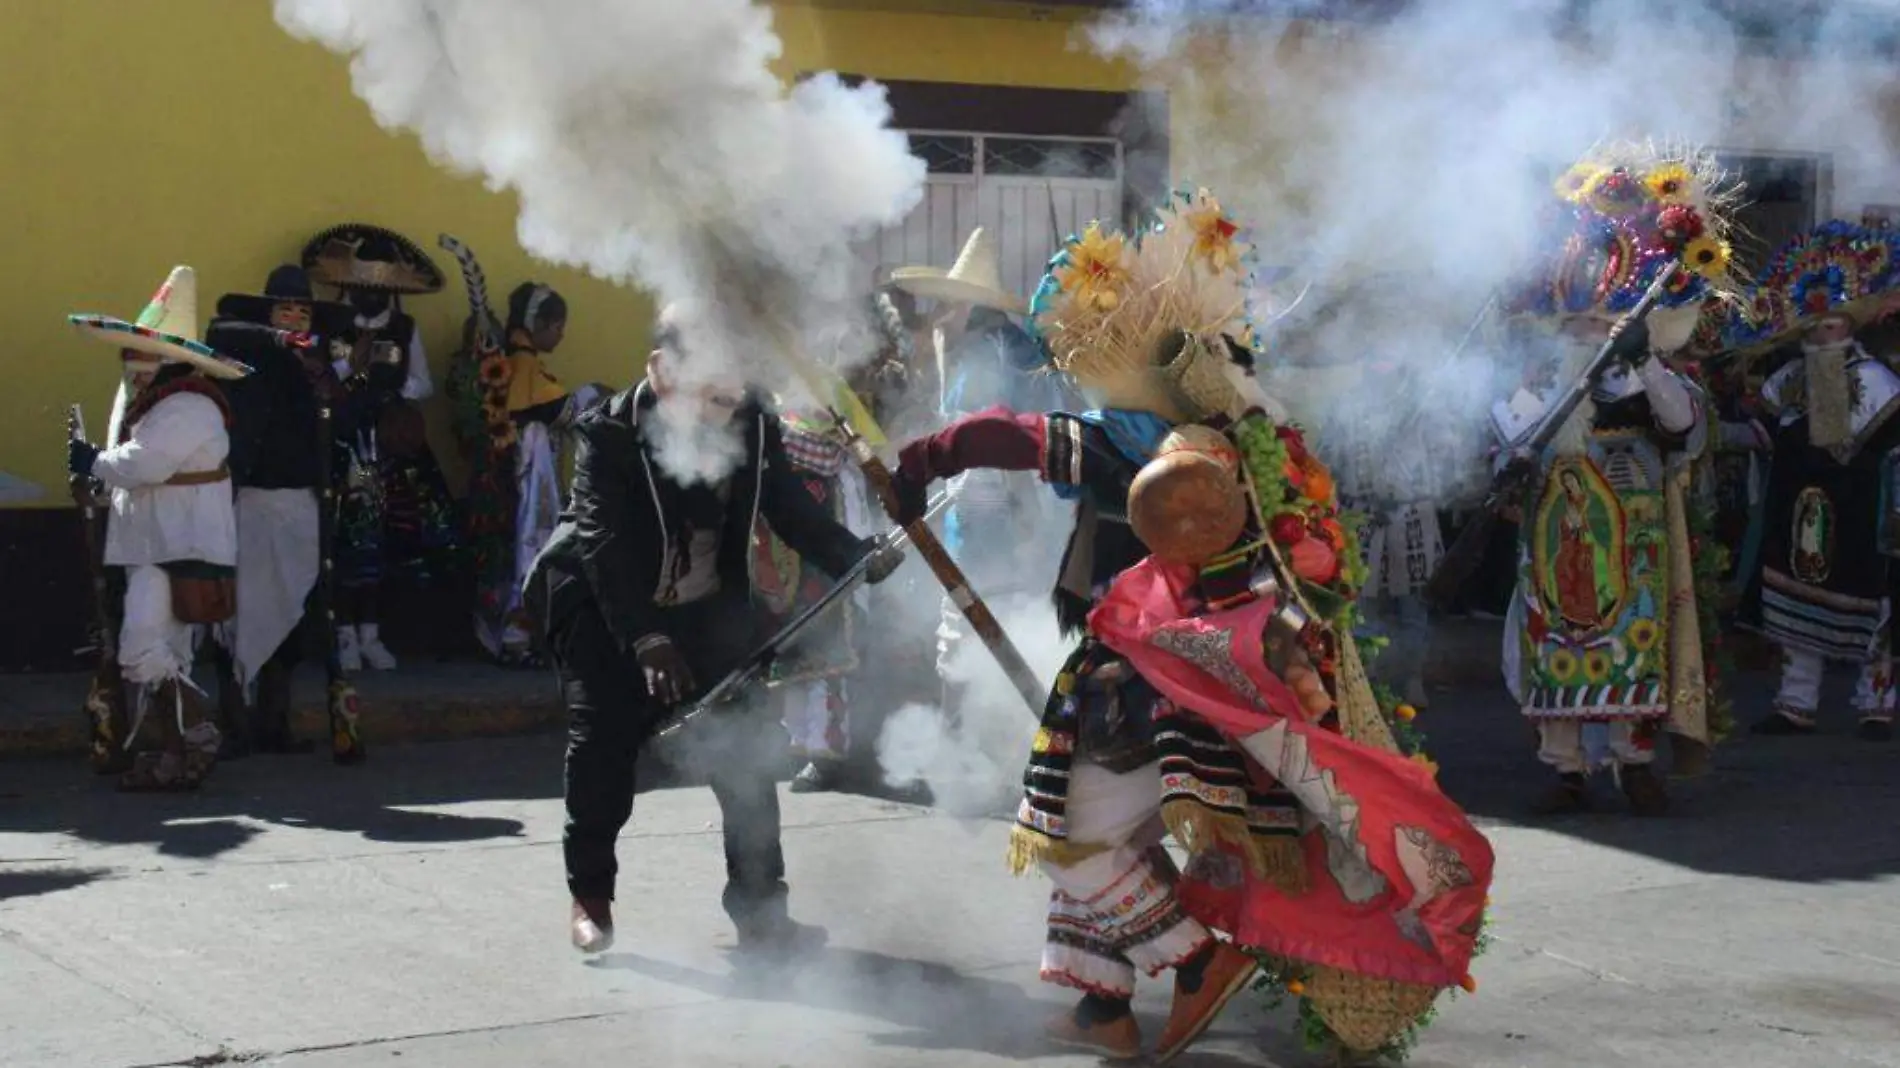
[1201,990]
[1570,795]
[1645,790]
[270,718]
[233,719]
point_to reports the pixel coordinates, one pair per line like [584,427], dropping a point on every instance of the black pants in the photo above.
[612,717]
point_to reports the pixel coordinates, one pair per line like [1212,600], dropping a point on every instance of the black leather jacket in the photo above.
[611,542]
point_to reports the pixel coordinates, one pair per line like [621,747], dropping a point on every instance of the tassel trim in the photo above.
[1029,848]
[1277,859]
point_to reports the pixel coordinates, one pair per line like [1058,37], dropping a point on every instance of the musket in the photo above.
[346,740]
[751,295]
[755,665]
[1508,485]
[105,697]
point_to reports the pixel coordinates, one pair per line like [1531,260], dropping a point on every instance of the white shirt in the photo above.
[153,523]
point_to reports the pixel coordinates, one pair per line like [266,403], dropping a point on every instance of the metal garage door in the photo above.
[1027,191]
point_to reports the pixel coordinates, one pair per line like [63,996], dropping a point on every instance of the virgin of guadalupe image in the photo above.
[1810,538]
[1581,562]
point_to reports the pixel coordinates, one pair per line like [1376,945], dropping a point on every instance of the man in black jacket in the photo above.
[643,594]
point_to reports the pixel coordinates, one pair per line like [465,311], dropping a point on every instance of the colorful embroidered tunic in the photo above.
[1602,574]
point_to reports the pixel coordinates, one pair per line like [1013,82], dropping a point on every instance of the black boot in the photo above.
[271,715]
[1570,795]
[765,925]
[237,737]
[1644,788]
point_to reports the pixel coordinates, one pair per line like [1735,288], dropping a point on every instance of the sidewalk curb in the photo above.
[418,719]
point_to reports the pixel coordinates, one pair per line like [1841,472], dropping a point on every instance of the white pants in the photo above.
[153,645]
[816,716]
[1800,693]
[1115,911]
[1574,747]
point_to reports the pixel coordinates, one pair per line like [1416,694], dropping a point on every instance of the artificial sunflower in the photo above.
[1094,270]
[1563,666]
[1576,181]
[1669,183]
[1644,633]
[493,372]
[502,438]
[1213,235]
[1707,256]
[1596,665]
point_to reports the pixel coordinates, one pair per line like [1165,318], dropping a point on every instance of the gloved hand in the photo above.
[1630,342]
[80,456]
[668,677]
[884,560]
[913,495]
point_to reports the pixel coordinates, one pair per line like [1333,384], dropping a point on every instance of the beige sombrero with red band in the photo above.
[167,330]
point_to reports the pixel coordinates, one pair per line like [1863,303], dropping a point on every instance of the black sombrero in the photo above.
[364,256]
[288,284]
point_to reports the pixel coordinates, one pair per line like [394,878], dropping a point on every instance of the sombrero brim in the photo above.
[417,277]
[933,284]
[1861,310]
[123,335]
[327,317]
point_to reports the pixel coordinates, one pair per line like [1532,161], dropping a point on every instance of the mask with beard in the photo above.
[1830,401]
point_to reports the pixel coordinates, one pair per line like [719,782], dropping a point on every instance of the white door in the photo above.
[1028,192]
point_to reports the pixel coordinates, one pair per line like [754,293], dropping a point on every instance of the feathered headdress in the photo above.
[1144,318]
[1627,210]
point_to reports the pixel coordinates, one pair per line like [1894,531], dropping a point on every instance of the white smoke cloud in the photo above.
[1425,143]
[649,143]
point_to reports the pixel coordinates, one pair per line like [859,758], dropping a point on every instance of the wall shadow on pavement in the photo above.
[373,800]
[1808,809]
[32,882]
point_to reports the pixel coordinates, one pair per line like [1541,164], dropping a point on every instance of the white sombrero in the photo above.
[977,278]
[167,329]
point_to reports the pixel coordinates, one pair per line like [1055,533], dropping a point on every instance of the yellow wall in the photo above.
[140,134]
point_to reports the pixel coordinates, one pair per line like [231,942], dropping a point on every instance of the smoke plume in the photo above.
[649,143]
[1424,142]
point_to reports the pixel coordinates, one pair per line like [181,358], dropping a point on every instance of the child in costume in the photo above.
[1168,715]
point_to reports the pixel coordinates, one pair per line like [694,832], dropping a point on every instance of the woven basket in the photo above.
[1366,1012]
[1198,380]
[1359,715]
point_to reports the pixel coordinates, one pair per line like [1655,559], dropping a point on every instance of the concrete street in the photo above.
[411,912]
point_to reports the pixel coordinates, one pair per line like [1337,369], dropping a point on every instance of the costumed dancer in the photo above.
[540,410]
[278,448]
[1168,715]
[644,600]
[1824,587]
[984,359]
[172,526]
[1603,642]
[396,516]
[812,680]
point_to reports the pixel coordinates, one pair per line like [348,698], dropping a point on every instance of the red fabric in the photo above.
[1415,927]
[995,439]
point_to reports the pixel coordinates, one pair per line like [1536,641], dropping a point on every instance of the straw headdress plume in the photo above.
[1141,321]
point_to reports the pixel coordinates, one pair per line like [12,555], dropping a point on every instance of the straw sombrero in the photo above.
[977,278]
[289,284]
[167,329]
[363,256]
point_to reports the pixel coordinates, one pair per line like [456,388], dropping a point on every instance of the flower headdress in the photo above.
[1631,209]
[1837,268]
[1112,309]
